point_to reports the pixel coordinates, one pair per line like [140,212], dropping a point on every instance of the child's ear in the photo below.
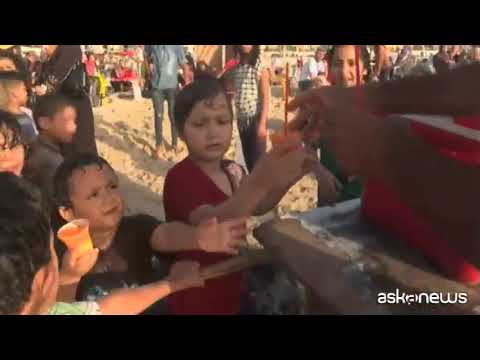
[66,213]
[43,122]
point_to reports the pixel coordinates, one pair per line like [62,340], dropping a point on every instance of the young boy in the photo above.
[205,185]
[29,266]
[14,98]
[85,186]
[12,149]
[56,119]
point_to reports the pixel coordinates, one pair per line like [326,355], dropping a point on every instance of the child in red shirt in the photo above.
[205,185]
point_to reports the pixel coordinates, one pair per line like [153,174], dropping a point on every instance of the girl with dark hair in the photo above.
[65,73]
[343,73]
[252,96]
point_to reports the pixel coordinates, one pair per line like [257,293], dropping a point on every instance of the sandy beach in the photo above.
[125,137]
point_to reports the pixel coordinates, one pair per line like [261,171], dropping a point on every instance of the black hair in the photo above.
[364,57]
[204,88]
[50,105]
[19,63]
[24,241]
[9,123]
[63,175]
[13,76]
[251,58]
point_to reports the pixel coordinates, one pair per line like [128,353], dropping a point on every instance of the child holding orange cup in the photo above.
[76,236]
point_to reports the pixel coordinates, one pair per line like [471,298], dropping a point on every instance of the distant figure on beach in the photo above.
[165,61]
[252,98]
[315,67]
[441,60]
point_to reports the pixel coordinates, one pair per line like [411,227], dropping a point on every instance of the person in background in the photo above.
[383,65]
[165,60]
[14,98]
[64,73]
[316,66]
[475,56]
[441,60]
[12,146]
[252,100]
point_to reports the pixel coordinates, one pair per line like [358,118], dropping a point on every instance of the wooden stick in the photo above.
[235,264]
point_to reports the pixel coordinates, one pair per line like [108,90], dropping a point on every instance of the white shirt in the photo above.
[312,69]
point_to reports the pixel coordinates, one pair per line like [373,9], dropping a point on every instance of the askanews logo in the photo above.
[398,297]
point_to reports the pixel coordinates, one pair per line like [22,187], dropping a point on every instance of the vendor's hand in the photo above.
[226,237]
[311,104]
[358,140]
[74,267]
[184,275]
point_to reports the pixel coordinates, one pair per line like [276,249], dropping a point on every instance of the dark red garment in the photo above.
[383,208]
[186,188]
[231,64]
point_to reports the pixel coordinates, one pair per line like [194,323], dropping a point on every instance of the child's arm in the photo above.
[273,174]
[183,275]
[208,236]
[72,271]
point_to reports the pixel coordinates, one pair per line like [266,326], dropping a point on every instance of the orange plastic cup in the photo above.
[279,137]
[76,236]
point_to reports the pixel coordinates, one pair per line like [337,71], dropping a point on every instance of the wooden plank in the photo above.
[347,280]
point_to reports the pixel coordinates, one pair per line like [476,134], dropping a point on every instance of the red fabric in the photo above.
[186,188]
[383,208]
[231,64]
[125,75]
[91,67]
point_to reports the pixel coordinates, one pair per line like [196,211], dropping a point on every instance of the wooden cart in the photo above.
[346,265]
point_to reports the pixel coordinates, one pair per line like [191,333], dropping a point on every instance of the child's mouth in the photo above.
[111,211]
[216,146]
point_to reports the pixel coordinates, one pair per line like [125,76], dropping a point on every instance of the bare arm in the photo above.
[135,300]
[265,95]
[242,203]
[453,92]
[183,275]
[174,237]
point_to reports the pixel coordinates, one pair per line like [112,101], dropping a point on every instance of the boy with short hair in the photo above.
[29,276]
[56,119]
[86,186]
[14,98]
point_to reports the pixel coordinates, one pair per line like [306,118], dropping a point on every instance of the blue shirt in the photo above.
[166,60]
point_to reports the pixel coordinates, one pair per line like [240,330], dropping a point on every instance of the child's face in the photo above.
[62,126]
[95,196]
[208,129]
[11,158]
[343,66]
[18,94]
[7,64]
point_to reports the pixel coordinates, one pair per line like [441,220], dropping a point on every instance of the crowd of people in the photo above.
[51,174]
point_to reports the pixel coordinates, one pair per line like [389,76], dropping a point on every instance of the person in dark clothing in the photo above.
[64,73]
[441,60]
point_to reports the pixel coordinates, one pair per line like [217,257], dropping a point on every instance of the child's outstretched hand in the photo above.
[74,267]
[225,237]
[284,165]
[184,275]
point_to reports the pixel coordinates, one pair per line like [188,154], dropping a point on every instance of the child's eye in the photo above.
[93,195]
[197,125]
[114,186]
